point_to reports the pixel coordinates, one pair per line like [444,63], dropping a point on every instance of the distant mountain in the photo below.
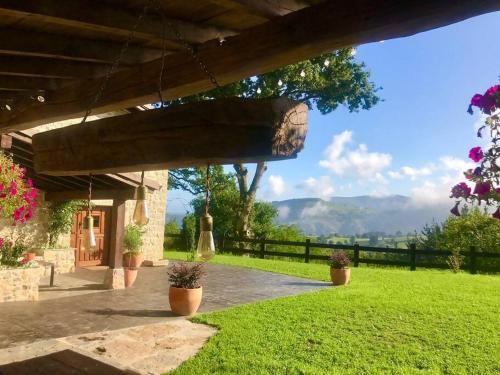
[362,214]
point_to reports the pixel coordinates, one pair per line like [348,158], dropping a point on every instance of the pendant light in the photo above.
[141,212]
[206,245]
[88,243]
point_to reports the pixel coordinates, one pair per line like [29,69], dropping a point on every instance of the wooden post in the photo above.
[308,249]
[473,260]
[117,230]
[356,255]
[5,141]
[263,248]
[413,257]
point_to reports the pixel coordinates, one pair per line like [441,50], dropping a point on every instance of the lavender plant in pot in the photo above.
[339,270]
[185,288]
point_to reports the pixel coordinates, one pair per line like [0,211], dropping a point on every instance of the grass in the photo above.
[387,321]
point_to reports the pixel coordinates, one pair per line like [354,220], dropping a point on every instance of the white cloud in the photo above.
[411,172]
[316,209]
[321,187]
[283,212]
[455,164]
[276,185]
[358,161]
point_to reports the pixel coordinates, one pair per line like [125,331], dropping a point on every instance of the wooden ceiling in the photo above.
[62,49]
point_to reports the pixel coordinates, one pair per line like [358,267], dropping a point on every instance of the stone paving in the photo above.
[78,306]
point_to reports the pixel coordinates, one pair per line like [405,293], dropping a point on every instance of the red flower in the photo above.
[476,154]
[482,188]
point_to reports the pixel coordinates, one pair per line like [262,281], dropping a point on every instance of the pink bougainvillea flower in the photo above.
[1,242]
[482,188]
[476,154]
[455,210]
[487,102]
[496,214]
[13,188]
[460,190]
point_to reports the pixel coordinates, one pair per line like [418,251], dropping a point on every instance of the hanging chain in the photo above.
[90,194]
[116,62]
[207,189]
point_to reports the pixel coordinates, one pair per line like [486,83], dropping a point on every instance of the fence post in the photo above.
[262,248]
[308,249]
[473,258]
[413,257]
[356,255]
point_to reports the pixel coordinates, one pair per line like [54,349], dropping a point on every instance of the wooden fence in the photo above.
[412,254]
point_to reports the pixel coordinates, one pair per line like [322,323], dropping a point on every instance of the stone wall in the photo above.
[19,284]
[64,259]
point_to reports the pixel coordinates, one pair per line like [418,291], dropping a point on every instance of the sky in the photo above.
[415,142]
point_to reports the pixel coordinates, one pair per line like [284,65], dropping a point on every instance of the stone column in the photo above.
[114,278]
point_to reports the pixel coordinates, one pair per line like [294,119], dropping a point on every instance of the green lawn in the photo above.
[387,321]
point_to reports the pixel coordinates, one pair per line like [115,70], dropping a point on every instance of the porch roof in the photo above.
[105,186]
[63,49]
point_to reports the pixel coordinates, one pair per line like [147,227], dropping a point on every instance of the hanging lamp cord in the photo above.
[207,189]
[90,194]
[142,178]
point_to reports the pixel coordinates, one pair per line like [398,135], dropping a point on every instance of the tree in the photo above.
[324,82]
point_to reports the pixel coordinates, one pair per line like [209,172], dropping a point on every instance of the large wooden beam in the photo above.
[285,40]
[66,195]
[97,16]
[273,8]
[216,132]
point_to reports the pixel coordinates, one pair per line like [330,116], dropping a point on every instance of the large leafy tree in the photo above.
[325,83]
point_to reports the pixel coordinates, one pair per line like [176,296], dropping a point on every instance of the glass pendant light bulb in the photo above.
[259,90]
[141,212]
[206,245]
[327,62]
[280,82]
[88,237]
[302,74]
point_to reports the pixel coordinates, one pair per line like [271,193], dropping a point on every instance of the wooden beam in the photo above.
[117,232]
[36,44]
[295,37]
[11,83]
[212,132]
[83,194]
[134,179]
[96,16]
[41,67]
[273,8]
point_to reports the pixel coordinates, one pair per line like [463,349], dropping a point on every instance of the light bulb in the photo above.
[280,83]
[40,98]
[327,62]
[353,52]
[302,74]
[259,90]
[88,237]
[141,212]
[8,107]
[206,245]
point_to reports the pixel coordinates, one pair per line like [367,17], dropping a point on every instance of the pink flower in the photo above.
[496,215]
[486,102]
[482,188]
[455,210]
[1,241]
[460,190]
[13,188]
[476,154]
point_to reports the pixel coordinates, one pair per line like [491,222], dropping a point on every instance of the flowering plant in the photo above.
[11,252]
[486,176]
[17,194]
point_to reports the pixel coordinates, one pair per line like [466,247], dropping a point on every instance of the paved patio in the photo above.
[77,307]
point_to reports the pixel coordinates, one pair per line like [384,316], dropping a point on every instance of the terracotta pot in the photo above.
[340,276]
[130,276]
[130,260]
[30,256]
[184,301]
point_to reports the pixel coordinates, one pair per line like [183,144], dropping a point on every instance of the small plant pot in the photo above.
[184,301]
[130,276]
[30,256]
[340,276]
[132,260]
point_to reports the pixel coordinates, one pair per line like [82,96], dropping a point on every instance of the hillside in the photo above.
[351,215]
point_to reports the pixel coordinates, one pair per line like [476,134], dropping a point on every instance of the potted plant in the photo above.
[185,289]
[132,242]
[339,271]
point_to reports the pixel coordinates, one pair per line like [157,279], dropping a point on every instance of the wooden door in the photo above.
[102,231]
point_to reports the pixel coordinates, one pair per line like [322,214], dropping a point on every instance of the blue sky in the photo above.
[413,143]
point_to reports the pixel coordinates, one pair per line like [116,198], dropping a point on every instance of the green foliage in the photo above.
[132,239]
[61,218]
[384,322]
[189,232]
[431,237]
[262,219]
[193,180]
[172,227]
[170,243]
[11,251]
